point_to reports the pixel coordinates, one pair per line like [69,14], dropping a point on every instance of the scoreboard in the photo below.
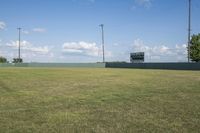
[137,57]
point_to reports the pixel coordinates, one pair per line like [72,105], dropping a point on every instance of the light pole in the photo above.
[19,57]
[102,28]
[189,30]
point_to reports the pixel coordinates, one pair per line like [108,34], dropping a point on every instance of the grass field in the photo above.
[99,100]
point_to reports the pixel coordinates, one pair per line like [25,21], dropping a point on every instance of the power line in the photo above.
[102,28]
[189,30]
[19,49]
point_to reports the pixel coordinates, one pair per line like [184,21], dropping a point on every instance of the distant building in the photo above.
[137,57]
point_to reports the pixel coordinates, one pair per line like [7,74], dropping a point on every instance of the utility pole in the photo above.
[102,28]
[189,30]
[19,57]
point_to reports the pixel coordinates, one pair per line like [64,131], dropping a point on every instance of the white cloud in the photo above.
[144,3]
[14,44]
[40,30]
[116,44]
[161,52]
[2,25]
[25,32]
[25,45]
[84,48]
[43,50]
[91,0]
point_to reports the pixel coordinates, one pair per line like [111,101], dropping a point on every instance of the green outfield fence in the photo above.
[92,65]
[169,66]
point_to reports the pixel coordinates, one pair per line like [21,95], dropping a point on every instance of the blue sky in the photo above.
[68,30]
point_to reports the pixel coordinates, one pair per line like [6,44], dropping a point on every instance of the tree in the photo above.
[3,59]
[195,48]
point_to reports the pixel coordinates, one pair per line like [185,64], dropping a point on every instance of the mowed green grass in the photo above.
[99,100]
